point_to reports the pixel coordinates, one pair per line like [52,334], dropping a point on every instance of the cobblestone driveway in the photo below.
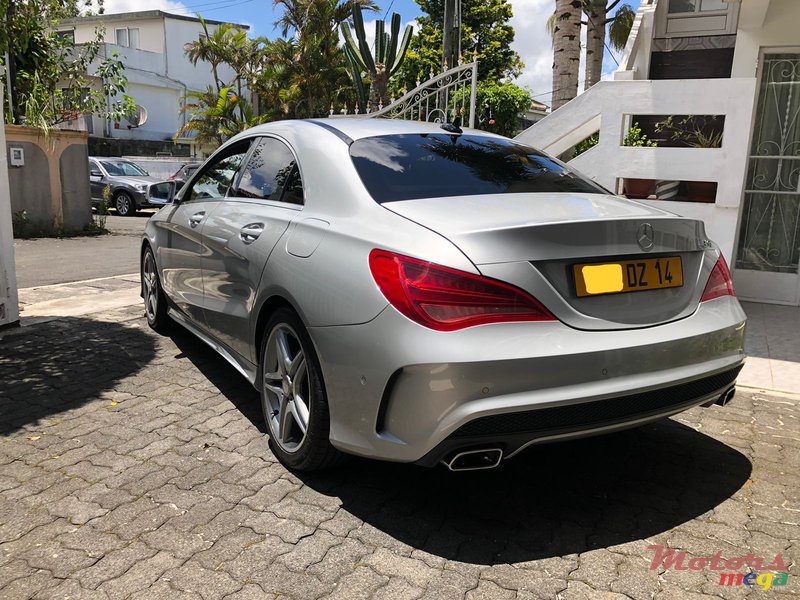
[135,466]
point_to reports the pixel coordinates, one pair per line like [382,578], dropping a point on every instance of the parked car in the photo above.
[131,186]
[182,175]
[408,293]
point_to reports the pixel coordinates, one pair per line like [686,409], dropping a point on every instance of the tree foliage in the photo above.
[310,64]
[48,73]
[507,101]
[485,32]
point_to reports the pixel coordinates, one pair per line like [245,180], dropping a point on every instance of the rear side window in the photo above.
[411,166]
[271,173]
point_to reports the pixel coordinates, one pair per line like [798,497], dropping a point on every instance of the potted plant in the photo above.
[637,188]
[694,132]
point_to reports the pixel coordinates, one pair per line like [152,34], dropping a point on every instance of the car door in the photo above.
[180,256]
[241,234]
[96,177]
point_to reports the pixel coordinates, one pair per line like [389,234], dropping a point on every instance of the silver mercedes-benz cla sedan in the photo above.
[411,293]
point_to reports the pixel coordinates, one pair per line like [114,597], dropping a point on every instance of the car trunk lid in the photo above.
[535,241]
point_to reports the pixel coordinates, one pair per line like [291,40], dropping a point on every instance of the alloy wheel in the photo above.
[150,281]
[123,204]
[287,389]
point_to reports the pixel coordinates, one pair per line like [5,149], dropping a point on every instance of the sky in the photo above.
[531,41]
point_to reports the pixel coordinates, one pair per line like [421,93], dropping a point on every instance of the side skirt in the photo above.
[247,370]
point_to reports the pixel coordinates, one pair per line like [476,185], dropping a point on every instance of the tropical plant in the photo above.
[586,144]
[634,137]
[694,131]
[486,35]
[507,102]
[619,28]
[228,45]
[383,65]
[215,116]
[306,73]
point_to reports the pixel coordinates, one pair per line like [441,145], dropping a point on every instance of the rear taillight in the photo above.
[447,299]
[719,284]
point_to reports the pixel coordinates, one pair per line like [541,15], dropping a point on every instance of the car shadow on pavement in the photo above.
[64,364]
[222,375]
[551,500]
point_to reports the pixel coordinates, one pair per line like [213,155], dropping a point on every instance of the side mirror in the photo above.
[162,193]
[96,174]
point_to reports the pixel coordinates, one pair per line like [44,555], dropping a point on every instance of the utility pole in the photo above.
[451,39]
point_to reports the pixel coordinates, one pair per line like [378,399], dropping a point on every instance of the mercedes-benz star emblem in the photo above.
[645,237]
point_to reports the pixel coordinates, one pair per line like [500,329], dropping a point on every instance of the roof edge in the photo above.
[144,14]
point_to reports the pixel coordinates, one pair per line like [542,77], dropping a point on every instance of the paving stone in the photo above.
[193,577]
[140,576]
[173,494]
[114,564]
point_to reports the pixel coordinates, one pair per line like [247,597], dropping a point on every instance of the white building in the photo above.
[737,59]
[151,46]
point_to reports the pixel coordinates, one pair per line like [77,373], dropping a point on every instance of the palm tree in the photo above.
[318,73]
[565,25]
[228,45]
[214,116]
[619,28]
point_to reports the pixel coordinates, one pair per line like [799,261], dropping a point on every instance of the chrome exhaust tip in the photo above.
[726,397]
[475,460]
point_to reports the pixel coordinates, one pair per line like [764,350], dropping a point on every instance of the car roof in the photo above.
[357,128]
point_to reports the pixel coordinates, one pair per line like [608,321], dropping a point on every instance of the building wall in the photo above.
[52,186]
[151,32]
[163,111]
[159,74]
[196,77]
[781,29]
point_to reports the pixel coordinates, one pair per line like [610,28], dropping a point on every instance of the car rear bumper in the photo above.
[398,391]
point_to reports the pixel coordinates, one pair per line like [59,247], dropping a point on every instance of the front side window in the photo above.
[215,180]
[271,173]
[123,168]
[412,166]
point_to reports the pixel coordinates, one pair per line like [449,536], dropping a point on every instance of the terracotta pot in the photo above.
[701,191]
[637,188]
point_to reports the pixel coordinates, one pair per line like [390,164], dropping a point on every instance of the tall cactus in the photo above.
[388,57]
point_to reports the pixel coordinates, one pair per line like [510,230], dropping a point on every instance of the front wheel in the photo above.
[293,396]
[125,204]
[155,302]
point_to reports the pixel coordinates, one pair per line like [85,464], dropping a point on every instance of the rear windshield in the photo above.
[411,166]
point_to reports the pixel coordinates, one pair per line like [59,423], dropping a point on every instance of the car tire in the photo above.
[292,389]
[125,204]
[155,301]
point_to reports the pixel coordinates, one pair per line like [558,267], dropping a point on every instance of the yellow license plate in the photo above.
[618,277]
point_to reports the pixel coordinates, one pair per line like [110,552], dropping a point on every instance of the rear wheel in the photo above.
[155,302]
[125,204]
[293,396]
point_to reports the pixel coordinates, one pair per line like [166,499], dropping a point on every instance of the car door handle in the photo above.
[250,233]
[196,219]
